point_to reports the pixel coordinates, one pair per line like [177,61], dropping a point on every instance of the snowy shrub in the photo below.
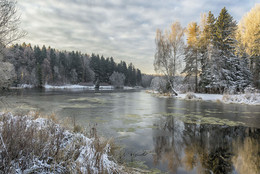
[117,79]
[192,96]
[250,89]
[159,84]
[38,145]
[247,98]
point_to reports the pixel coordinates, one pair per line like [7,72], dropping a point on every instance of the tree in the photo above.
[53,62]
[248,36]
[169,49]
[206,50]
[224,39]
[146,80]
[9,32]
[224,71]
[38,66]
[37,54]
[159,84]
[191,53]
[177,44]
[138,77]
[9,23]
[117,79]
[7,74]
[43,54]
[39,76]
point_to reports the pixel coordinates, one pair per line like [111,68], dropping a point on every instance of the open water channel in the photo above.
[162,134]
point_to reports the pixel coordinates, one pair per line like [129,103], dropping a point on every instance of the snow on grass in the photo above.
[22,86]
[38,145]
[198,96]
[248,98]
[74,87]
[68,87]
[78,87]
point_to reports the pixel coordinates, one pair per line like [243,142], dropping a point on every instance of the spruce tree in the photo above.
[224,39]
[53,62]
[227,72]
[39,76]
[206,49]
[43,54]
[191,54]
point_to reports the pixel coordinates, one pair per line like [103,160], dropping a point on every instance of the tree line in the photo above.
[219,54]
[38,66]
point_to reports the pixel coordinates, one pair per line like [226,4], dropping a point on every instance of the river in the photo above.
[161,134]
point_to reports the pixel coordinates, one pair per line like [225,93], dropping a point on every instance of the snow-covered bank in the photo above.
[78,87]
[88,87]
[248,98]
[198,96]
[72,87]
[22,86]
[37,145]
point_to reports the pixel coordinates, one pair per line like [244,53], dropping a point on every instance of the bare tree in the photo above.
[169,49]
[9,23]
[9,32]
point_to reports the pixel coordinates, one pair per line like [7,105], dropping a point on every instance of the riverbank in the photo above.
[38,144]
[70,86]
[31,144]
[247,98]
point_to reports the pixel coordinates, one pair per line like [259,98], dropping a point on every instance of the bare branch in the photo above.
[9,23]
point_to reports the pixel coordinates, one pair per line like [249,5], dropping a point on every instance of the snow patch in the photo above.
[249,98]
[22,86]
[78,87]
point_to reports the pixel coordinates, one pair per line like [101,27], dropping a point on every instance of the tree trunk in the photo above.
[196,73]
[173,90]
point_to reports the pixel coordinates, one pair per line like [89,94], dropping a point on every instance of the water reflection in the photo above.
[180,136]
[206,148]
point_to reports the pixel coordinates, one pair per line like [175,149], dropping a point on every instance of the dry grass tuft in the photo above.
[32,144]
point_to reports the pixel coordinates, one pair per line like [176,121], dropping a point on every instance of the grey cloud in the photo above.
[118,28]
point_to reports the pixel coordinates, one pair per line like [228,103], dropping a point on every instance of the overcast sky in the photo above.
[123,29]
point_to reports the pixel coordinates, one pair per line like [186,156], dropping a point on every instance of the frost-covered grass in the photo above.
[247,98]
[29,144]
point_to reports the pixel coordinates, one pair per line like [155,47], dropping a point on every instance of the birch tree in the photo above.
[169,49]
[9,32]
[9,23]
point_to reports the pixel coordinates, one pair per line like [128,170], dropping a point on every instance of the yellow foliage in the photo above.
[248,33]
[192,34]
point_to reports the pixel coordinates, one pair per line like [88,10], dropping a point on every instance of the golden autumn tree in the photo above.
[248,36]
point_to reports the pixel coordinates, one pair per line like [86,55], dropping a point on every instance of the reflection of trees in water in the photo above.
[167,146]
[208,148]
[246,157]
